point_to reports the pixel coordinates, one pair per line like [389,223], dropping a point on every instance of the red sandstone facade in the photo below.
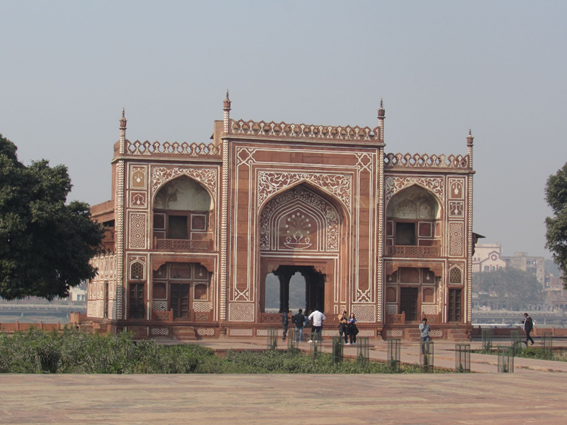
[193,231]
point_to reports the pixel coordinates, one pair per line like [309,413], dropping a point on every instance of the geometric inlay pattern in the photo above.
[456,239]
[159,305]
[391,309]
[429,309]
[241,332]
[137,230]
[365,313]
[239,312]
[202,307]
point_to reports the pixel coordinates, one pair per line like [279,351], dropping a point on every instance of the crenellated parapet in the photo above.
[395,160]
[175,148]
[304,131]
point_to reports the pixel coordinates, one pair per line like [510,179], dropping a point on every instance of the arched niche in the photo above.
[183,209]
[413,218]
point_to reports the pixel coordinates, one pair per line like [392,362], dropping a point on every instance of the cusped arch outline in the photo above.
[205,177]
[337,187]
[328,240]
[433,185]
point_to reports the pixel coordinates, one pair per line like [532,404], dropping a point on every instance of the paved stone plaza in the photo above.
[536,393]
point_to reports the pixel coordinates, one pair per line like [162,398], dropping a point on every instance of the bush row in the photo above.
[72,351]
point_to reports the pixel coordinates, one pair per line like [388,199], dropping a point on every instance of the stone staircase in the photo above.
[184,333]
[458,335]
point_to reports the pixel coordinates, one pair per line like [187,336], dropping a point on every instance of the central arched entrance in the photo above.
[302,236]
[291,287]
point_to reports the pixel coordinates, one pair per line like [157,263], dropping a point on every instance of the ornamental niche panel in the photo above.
[456,189]
[299,219]
[138,199]
[456,208]
[434,184]
[138,177]
[456,239]
[208,177]
[270,182]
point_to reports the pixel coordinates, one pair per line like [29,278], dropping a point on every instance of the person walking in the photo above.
[285,323]
[317,319]
[343,326]
[528,327]
[352,329]
[299,320]
[425,338]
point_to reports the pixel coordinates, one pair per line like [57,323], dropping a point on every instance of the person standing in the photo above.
[528,327]
[317,319]
[343,326]
[285,323]
[352,329]
[424,330]
[299,320]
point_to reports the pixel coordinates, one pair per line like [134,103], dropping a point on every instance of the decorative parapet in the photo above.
[175,148]
[283,130]
[426,161]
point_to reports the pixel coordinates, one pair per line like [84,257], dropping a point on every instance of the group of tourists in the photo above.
[347,326]
[301,321]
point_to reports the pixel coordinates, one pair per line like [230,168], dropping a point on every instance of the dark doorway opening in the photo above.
[298,287]
[408,303]
[455,308]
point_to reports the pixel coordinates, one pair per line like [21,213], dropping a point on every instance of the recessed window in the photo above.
[177,227]
[405,233]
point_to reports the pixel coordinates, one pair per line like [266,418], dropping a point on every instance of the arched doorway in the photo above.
[302,235]
[291,287]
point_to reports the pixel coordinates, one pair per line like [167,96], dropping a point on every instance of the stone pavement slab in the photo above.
[533,398]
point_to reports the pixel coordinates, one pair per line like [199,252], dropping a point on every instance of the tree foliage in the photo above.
[556,197]
[45,245]
[507,286]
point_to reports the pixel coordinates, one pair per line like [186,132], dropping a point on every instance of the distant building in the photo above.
[487,257]
[556,295]
[529,264]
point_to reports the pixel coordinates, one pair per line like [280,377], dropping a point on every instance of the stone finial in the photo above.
[470,138]
[381,111]
[227,102]
[226,108]
[123,120]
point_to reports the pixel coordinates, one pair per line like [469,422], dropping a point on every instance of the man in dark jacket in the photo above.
[299,320]
[285,323]
[528,327]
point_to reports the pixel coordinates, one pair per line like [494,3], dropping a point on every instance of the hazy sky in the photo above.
[498,67]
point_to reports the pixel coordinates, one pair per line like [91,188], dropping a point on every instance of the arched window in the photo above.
[455,275]
[137,271]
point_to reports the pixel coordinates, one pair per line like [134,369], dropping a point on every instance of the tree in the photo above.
[556,197]
[45,245]
[511,287]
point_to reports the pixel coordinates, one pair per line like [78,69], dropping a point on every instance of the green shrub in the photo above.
[72,351]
